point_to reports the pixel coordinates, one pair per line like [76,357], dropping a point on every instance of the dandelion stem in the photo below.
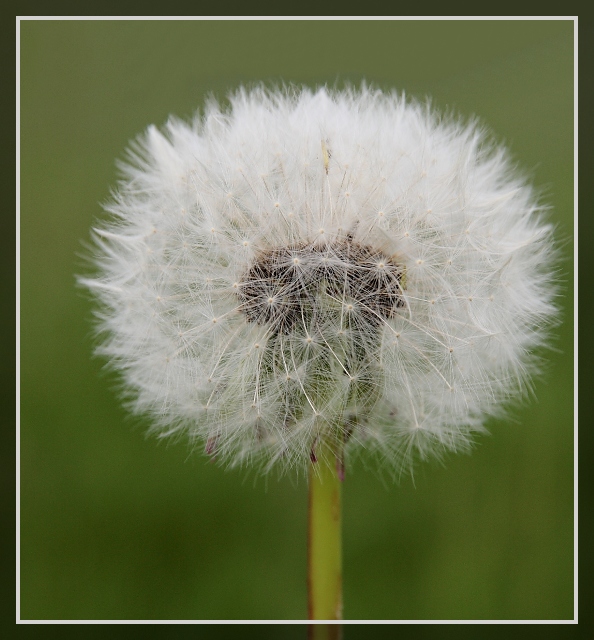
[324,543]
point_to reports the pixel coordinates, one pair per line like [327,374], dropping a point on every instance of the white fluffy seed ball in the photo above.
[306,266]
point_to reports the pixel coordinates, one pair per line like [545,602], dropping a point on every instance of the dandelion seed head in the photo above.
[346,266]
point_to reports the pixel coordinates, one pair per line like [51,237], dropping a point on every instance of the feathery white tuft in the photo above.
[338,265]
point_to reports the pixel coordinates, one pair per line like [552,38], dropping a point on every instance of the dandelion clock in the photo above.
[306,275]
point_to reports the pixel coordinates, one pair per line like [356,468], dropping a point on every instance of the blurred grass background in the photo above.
[115,526]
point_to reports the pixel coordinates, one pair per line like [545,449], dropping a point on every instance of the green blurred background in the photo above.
[115,526]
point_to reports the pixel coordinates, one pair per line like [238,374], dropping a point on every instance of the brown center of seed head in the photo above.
[285,286]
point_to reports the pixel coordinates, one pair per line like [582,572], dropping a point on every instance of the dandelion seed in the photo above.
[326,321]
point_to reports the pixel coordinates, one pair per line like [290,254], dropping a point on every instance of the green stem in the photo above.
[324,543]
